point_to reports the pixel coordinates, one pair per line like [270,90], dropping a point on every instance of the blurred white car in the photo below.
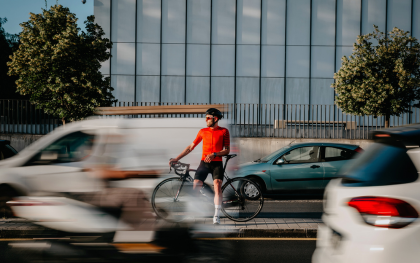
[60,161]
[372,214]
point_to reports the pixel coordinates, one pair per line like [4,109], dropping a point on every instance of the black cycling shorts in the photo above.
[215,168]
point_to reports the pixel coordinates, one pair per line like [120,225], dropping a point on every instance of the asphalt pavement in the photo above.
[238,250]
[291,209]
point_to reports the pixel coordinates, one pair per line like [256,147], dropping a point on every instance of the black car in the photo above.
[6,151]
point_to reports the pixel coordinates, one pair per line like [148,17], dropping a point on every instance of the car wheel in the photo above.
[250,191]
[6,194]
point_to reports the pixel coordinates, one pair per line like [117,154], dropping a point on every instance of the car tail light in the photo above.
[358,150]
[384,212]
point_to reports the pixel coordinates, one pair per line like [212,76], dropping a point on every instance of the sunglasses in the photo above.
[209,118]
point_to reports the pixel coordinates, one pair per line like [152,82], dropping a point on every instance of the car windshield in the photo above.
[272,155]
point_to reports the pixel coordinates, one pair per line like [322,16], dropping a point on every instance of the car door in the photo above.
[332,159]
[298,169]
[59,167]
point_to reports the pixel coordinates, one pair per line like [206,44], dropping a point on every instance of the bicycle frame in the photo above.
[186,176]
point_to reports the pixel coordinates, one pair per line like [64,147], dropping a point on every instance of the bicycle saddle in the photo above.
[230,156]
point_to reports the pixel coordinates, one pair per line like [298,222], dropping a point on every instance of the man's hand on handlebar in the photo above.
[172,161]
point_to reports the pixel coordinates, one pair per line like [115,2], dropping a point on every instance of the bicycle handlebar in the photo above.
[177,166]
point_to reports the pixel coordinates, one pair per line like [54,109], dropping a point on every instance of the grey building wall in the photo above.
[238,51]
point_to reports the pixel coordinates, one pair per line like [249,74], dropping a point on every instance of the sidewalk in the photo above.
[258,227]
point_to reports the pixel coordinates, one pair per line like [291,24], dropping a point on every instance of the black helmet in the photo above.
[214,112]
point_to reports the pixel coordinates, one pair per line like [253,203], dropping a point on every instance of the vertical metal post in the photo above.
[236,34]
[110,38]
[135,57]
[240,119]
[386,20]
[259,90]
[286,119]
[249,120]
[211,40]
[316,123]
[161,40]
[295,120]
[363,126]
[335,42]
[253,120]
[310,52]
[329,120]
[186,40]
[300,119]
[265,121]
[325,121]
[30,118]
[285,60]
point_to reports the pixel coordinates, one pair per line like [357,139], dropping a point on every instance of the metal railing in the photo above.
[246,120]
[19,116]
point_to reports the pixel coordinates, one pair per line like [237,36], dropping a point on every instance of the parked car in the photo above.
[299,167]
[6,150]
[372,213]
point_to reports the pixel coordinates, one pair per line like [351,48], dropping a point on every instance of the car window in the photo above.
[336,154]
[73,147]
[273,154]
[307,154]
[380,164]
[8,151]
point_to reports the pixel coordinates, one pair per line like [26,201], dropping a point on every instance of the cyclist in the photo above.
[216,143]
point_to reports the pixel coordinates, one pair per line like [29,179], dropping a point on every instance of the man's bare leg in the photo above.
[197,185]
[217,192]
[217,200]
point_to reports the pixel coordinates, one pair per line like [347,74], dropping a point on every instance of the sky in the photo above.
[17,11]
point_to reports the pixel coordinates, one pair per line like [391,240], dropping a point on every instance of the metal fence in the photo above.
[247,120]
[19,116]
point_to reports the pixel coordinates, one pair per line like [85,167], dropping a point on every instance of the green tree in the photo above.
[58,65]
[8,43]
[381,79]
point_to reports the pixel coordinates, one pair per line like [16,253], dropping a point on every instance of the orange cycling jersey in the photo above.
[213,141]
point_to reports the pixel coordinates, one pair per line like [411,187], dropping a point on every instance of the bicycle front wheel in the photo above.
[242,199]
[170,198]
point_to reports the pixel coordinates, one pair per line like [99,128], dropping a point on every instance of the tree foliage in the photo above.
[8,43]
[380,79]
[58,65]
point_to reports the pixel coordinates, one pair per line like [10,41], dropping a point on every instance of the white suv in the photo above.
[372,213]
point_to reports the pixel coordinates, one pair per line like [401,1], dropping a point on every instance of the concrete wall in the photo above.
[249,148]
[253,148]
[20,141]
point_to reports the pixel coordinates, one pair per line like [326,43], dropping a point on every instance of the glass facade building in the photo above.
[238,51]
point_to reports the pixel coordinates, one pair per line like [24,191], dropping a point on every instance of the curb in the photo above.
[278,233]
[242,233]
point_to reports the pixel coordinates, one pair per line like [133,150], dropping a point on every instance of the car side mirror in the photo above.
[280,161]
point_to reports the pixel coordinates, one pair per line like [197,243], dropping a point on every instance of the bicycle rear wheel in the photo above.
[165,202]
[242,199]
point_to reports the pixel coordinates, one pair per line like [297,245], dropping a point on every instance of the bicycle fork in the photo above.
[179,191]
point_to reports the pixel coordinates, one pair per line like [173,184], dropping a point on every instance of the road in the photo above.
[246,250]
[274,250]
[291,209]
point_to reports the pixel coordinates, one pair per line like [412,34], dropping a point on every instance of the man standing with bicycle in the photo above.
[216,143]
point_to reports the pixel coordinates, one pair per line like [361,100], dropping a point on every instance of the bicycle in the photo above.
[242,198]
